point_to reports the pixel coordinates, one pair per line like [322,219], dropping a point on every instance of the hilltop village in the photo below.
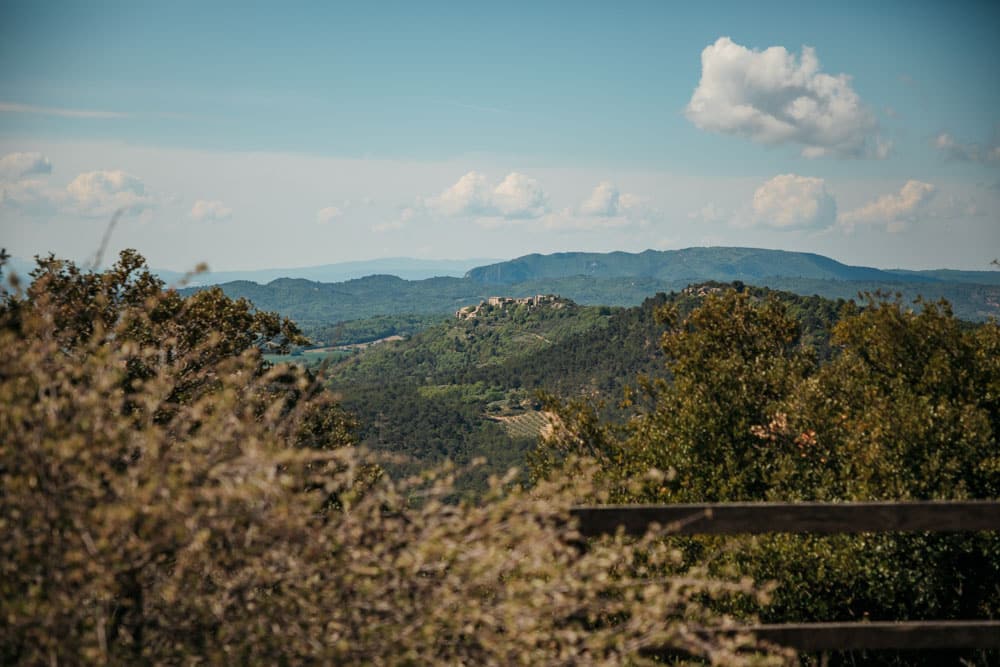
[503,302]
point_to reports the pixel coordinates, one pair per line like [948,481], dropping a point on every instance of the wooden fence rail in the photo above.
[826,518]
[822,518]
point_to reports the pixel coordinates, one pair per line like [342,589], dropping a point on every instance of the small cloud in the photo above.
[606,207]
[392,226]
[101,193]
[892,210]
[517,197]
[967,152]
[405,216]
[15,166]
[520,197]
[325,216]
[603,202]
[772,97]
[791,202]
[709,213]
[210,211]
[883,148]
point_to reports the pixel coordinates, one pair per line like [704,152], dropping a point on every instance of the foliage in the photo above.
[437,395]
[907,407]
[372,328]
[166,497]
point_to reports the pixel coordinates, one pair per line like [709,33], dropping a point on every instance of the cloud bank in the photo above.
[773,97]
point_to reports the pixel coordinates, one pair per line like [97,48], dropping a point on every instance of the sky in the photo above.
[254,135]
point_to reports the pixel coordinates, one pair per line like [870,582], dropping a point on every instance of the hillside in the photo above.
[467,387]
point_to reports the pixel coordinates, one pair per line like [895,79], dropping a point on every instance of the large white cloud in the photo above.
[205,210]
[15,166]
[789,201]
[772,97]
[967,152]
[517,197]
[892,210]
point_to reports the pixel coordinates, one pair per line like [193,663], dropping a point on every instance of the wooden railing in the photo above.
[822,518]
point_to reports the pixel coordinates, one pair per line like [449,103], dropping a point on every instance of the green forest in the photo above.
[168,493]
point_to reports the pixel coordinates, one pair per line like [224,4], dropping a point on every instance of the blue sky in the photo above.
[312,133]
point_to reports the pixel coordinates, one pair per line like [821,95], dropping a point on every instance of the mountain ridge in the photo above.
[707,263]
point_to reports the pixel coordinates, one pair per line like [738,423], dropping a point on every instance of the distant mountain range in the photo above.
[402,267]
[615,279]
[699,264]
[323,295]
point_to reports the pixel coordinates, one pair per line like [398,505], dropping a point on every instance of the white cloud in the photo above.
[517,197]
[325,216]
[210,211]
[15,166]
[520,197]
[101,193]
[772,97]
[971,152]
[789,201]
[892,210]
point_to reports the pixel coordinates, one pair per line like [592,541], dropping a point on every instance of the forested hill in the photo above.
[466,387]
[749,265]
